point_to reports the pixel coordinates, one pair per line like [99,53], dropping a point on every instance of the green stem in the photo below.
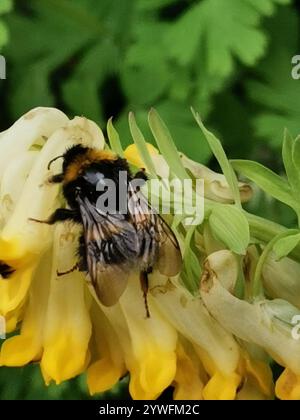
[264,231]
[257,285]
[240,283]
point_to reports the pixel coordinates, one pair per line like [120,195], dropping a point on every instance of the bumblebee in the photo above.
[113,244]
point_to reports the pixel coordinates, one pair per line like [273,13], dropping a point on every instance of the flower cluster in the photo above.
[215,330]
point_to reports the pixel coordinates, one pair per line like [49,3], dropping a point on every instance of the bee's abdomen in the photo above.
[6,270]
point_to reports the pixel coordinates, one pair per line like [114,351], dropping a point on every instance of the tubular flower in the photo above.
[215,185]
[207,343]
[266,323]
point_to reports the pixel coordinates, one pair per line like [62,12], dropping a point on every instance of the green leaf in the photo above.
[273,88]
[114,138]
[142,82]
[141,145]
[266,179]
[226,30]
[43,57]
[166,144]
[230,226]
[234,125]
[70,47]
[6,6]
[146,5]
[296,155]
[184,130]
[3,34]
[284,246]
[267,7]
[221,157]
[80,91]
[287,156]
[257,288]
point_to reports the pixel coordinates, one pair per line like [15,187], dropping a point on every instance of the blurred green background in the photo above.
[230,59]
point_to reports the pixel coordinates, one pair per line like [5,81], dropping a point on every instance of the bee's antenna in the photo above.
[53,160]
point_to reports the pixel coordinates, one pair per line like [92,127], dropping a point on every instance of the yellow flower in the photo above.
[132,155]
[62,326]
[189,342]
[265,323]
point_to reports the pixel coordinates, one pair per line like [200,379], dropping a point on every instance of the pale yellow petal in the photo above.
[10,189]
[26,347]
[35,126]
[281,279]
[250,391]
[190,375]
[108,364]
[150,359]
[68,327]
[288,386]
[222,387]
[216,187]
[13,291]
[39,198]
[190,317]
[261,375]
[265,323]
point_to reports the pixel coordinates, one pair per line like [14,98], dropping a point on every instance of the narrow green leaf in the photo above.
[114,138]
[230,226]
[266,179]
[166,144]
[257,288]
[221,157]
[284,246]
[141,145]
[287,156]
[296,155]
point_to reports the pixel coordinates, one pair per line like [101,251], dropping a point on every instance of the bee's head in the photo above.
[70,156]
[74,154]
[87,172]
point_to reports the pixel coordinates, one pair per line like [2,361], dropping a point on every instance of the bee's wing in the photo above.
[170,260]
[161,246]
[111,245]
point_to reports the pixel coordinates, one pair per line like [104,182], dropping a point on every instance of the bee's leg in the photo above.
[60,215]
[145,287]
[63,273]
